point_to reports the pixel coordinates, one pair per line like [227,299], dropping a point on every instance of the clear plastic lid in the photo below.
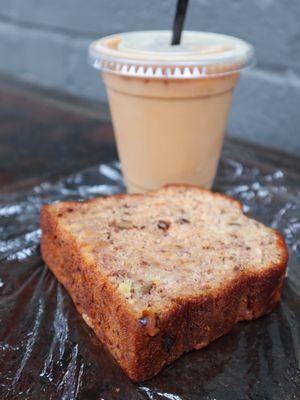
[150,54]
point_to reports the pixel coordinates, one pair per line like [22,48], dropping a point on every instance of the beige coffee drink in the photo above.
[169,104]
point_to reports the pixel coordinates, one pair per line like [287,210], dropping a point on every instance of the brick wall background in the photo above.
[45,41]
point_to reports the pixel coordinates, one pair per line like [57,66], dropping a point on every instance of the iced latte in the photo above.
[169,104]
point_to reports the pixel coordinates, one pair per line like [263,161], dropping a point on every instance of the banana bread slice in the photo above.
[162,273]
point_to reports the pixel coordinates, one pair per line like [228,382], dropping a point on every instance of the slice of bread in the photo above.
[158,274]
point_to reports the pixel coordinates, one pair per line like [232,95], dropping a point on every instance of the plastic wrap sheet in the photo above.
[47,351]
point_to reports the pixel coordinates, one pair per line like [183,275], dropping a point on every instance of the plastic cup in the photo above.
[169,104]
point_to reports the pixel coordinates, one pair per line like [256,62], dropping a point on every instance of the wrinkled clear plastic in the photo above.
[47,351]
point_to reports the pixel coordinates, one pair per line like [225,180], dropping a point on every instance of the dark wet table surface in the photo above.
[54,147]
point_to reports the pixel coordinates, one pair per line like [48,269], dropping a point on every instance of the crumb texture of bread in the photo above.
[159,274]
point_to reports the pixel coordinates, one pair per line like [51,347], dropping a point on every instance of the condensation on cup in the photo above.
[169,104]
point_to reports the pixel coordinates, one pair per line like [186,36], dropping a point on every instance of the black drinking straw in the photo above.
[179,21]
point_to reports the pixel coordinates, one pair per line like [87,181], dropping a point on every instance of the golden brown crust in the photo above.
[142,346]
[93,296]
